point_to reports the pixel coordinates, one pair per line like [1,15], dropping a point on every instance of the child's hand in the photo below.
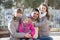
[28,36]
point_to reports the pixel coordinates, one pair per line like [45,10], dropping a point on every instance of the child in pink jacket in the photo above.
[27,27]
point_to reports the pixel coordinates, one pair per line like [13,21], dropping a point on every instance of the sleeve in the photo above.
[32,30]
[13,32]
[41,23]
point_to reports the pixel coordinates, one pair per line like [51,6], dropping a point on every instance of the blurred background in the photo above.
[7,8]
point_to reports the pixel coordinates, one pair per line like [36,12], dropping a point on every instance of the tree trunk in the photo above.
[16,3]
[46,1]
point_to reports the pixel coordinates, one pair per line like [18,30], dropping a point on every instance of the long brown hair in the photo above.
[47,15]
[18,11]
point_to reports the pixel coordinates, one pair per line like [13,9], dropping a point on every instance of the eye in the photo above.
[37,14]
[34,13]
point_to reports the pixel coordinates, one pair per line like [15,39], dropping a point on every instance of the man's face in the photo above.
[19,15]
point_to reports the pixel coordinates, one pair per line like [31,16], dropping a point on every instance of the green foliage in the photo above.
[54,3]
[57,4]
[0,1]
[51,2]
[32,3]
[8,4]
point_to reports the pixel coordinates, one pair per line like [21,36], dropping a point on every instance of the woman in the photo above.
[13,26]
[35,18]
[43,28]
[44,18]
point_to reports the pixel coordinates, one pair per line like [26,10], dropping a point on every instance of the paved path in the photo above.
[54,35]
[54,38]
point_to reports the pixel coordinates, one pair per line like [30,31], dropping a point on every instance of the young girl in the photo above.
[44,17]
[43,29]
[27,27]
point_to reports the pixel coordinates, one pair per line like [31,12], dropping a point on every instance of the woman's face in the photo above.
[35,15]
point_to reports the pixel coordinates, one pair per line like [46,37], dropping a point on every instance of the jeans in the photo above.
[24,38]
[44,38]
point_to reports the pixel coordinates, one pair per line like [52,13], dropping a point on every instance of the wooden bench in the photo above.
[4,34]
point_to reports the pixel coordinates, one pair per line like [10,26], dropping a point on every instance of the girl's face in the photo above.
[26,20]
[35,15]
[43,8]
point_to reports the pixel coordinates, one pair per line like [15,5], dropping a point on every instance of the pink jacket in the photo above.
[26,28]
